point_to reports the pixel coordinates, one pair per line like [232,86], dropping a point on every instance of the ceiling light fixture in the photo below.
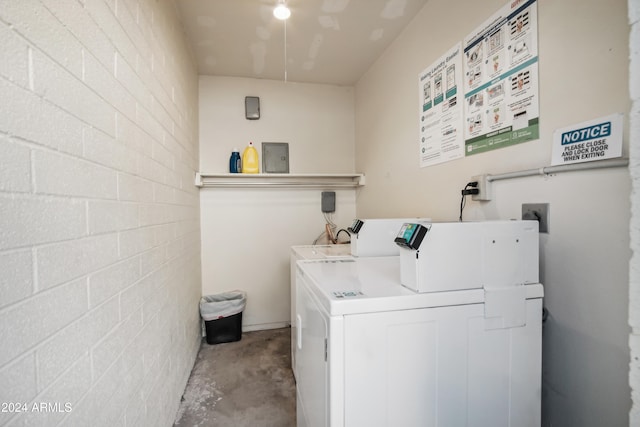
[281,11]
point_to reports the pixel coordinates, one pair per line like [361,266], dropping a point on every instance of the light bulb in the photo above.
[282,12]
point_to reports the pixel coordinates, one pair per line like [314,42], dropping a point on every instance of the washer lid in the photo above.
[322,251]
[367,285]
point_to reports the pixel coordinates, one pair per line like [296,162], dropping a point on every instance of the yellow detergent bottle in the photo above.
[250,159]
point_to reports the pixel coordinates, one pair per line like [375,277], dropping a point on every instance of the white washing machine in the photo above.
[369,237]
[371,352]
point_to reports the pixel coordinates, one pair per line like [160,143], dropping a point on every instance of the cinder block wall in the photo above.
[634,170]
[99,216]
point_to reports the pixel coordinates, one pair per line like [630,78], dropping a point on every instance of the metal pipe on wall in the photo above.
[611,163]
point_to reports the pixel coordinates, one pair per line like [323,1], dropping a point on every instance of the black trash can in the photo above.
[222,315]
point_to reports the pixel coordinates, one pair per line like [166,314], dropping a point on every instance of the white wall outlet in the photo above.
[484,188]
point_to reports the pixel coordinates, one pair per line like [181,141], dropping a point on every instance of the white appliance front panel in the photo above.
[440,367]
[312,373]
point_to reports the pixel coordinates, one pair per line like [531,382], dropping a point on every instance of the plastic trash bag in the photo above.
[227,304]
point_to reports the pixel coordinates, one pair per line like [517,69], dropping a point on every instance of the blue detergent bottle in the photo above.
[235,162]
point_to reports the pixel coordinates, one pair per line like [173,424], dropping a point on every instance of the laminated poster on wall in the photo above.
[501,79]
[441,134]
[597,139]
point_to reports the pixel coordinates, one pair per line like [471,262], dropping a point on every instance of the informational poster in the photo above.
[597,139]
[501,79]
[441,123]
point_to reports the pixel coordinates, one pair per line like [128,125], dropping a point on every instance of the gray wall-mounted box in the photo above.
[275,157]
[252,107]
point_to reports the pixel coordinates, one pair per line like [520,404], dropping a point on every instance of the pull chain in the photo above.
[285,50]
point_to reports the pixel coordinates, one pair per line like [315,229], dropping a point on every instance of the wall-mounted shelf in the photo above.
[279,180]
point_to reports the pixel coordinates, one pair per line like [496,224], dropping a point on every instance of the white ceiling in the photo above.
[328,41]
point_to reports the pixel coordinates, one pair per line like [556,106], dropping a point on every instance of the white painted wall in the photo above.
[247,233]
[634,167]
[316,120]
[99,218]
[584,74]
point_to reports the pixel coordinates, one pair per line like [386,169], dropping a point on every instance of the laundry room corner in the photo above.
[247,232]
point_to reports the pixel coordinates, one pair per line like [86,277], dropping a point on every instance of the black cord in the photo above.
[341,230]
[465,192]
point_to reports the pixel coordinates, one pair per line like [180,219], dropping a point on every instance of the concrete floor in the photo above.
[248,383]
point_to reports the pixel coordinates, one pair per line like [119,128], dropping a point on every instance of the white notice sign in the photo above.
[597,139]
